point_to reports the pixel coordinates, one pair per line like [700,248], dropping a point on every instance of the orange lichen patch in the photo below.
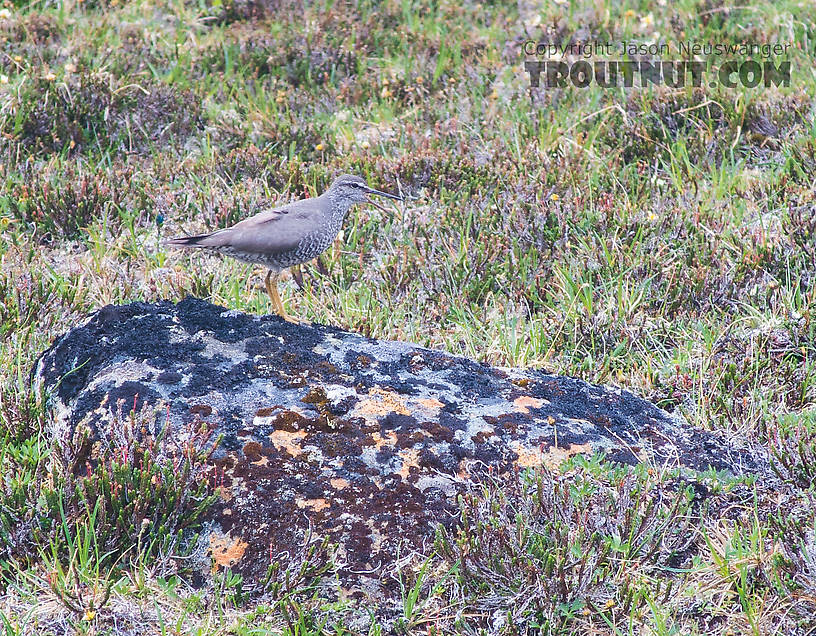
[263,460]
[315,504]
[409,457]
[227,512]
[431,403]
[527,457]
[379,441]
[225,494]
[555,456]
[226,551]
[338,483]
[523,403]
[382,402]
[288,441]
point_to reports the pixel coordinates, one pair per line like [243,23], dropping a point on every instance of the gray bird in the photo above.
[288,235]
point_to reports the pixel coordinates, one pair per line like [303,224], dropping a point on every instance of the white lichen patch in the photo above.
[126,371]
[213,347]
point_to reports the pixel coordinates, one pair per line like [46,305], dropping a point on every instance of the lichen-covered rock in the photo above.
[364,441]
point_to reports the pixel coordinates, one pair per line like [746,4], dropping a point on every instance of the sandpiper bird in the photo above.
[288,235]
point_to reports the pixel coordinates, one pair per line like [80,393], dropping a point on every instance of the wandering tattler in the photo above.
[288,235]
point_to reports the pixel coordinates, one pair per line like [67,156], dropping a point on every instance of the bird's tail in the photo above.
[188,241]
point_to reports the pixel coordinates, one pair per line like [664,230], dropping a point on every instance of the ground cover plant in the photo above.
[659,239]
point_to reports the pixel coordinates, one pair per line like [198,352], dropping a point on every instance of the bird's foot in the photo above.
[277,303]
[289,318]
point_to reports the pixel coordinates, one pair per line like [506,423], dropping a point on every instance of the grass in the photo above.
[659,239]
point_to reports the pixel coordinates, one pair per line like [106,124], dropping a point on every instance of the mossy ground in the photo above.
[659,239]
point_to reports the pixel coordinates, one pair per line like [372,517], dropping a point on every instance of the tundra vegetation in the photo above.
[659,239]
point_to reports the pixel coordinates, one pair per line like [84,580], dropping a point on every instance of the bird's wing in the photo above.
[271,231]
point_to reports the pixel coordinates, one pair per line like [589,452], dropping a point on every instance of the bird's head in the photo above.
[349,187]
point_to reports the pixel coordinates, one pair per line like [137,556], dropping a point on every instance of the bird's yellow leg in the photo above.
[277,304]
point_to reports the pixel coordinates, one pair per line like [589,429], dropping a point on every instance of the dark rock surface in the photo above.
[365,441]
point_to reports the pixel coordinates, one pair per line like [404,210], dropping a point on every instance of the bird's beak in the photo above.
[383,194]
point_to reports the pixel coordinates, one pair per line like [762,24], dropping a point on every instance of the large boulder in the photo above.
[366,442]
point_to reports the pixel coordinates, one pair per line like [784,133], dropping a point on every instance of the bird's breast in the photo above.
[317,241]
